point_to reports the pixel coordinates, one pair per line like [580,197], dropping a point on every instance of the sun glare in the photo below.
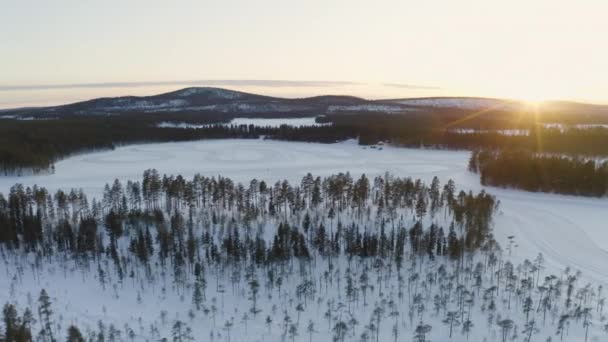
[533,104]
[533,97]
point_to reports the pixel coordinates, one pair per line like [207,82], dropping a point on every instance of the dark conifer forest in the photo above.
[541,172]
[35,145]
[38,221]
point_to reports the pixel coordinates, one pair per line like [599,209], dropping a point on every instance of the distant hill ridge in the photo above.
[219,100]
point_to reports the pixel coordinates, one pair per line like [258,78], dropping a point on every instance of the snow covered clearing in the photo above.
[379,108]
[510,132]
[182,125]
[211,92]
[294,122]
[25,117]
[461,102]
[563,127]
[131,104]
[569,231]
[518,132]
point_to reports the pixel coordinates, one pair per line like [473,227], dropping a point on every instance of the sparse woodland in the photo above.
[340,258]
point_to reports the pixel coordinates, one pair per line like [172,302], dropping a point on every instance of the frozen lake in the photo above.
[569,231]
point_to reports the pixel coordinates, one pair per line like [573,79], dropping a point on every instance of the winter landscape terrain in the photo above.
[304,171]
[150,304]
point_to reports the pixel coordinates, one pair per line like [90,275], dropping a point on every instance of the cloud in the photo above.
[411,86]
[254,83]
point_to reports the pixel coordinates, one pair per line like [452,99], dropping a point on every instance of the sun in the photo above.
[531,93]
[533,99]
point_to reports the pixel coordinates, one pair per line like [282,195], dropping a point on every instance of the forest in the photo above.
[338,258]
[529,171]
[33,146]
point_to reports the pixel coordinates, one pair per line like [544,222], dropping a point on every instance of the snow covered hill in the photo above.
[217,100]
[462,103]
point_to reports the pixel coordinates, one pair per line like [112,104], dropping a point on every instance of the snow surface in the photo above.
[511,132]
[214,92]
[25,118]
[380,108]
[563,127]
[246,108]
[569,231]
[457,102]
[182,125]
[295,122]
[130,104]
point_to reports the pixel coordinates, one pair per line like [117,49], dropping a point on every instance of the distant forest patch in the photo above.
[33,146]
[539,172]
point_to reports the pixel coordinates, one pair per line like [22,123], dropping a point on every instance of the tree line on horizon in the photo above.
[541,172]
[33,146]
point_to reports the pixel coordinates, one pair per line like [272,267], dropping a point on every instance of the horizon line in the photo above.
[227,82]
[251,83]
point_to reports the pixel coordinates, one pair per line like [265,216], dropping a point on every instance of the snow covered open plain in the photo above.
[567,230]
[260,122]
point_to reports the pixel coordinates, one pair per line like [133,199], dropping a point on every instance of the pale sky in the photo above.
[533,49]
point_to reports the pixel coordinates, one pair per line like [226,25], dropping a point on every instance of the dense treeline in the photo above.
[35,220]
[34,145]
[434,133]
[541,172]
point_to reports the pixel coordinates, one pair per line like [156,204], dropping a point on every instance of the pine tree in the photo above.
[506,325]
[310,329]
[421,331]
[340,329]
[11,322]
[451,319]
[467,325]
[529,329]
[181,332]
[45,313]
[74,334]
[197,295]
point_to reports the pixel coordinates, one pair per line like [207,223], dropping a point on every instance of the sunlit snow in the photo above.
[568,230]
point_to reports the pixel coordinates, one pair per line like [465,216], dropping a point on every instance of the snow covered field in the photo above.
[563,127]
[294,122]
[569,231]
[510,132]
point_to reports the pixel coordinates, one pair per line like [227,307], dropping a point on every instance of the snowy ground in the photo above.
[294,122]
[569,231]
[563,127]
[510,132]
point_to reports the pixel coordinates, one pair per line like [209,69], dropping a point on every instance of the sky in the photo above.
[66,50]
